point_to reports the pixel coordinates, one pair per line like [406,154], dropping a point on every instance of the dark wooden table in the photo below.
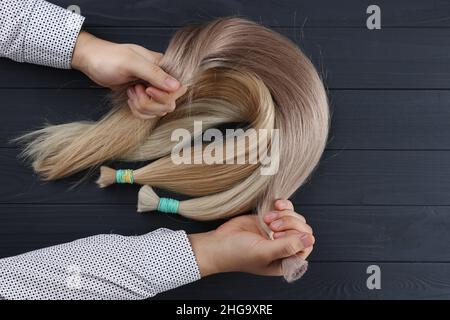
[381,195]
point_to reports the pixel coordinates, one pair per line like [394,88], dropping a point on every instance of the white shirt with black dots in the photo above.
[38,32]
[102,266]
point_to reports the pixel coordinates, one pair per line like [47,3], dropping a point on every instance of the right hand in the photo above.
[240,245]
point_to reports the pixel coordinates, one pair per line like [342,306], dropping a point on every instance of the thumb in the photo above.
[286,246]
[153,74]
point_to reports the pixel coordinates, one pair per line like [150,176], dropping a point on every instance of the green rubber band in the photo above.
[121,174]
[168,205]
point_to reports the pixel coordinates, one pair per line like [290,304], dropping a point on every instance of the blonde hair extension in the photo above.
[235,71]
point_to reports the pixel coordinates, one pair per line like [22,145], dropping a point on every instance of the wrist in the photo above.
[80,52]
[205,249]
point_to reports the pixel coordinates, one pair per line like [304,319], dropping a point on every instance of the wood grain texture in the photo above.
[390,119]
[319,13]
[343,233]
[361,119]
[327,281]
[347,58]
[380,178]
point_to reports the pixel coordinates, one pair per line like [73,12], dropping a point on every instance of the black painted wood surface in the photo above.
[380,195]
[318,13]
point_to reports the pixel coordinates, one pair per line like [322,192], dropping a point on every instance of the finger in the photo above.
[132,103]
[285,247]
[306,252]
[284,204]
[163,97]
[290,223]
[136,113]
[152,73]
[275,268]
[146,104]
[160,96]
[274,215]
[281,234]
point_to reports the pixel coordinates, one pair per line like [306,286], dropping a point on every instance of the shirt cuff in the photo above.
[173,253]
[51,35]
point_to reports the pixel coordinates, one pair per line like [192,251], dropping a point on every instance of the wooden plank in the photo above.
[380,178]
[327,281]
[343,233]
[362,119]
[412,13]
[390,119]
[343,178]
[379,233]
[347,58]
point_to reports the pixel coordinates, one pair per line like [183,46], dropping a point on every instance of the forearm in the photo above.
[38,32]
[102,267]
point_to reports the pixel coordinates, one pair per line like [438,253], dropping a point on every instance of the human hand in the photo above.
[113,65]
[240,245]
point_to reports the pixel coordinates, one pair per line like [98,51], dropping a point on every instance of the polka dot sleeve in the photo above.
[102,267]
[38,32]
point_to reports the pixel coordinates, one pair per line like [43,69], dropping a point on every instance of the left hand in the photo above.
[113,65]
[240,245]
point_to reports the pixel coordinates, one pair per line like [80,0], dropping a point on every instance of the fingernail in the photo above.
[277,235]
[306,240]
[172,83]
[285,204]
[271,216]
[131,92]
[276,224]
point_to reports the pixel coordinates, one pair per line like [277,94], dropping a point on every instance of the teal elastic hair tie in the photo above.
[168,205]
[125,176]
